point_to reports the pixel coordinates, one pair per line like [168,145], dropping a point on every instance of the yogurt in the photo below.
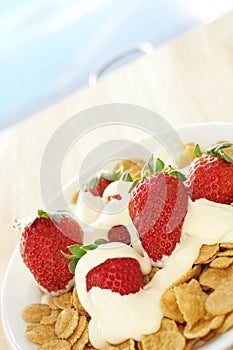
[102,216]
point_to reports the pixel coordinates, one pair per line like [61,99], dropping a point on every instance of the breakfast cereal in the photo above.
[196,307]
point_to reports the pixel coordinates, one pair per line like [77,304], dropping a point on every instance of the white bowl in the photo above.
[19,288]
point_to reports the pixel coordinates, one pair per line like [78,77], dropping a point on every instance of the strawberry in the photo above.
[99,187]
[114,196]
[99,182]
[121,275]
[40,247]
[119,233]
[211,175]
[157,207]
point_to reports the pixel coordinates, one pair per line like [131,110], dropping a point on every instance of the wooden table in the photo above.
[186,81]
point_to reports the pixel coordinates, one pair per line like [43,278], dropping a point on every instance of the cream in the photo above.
[88,208]
[209,222]
[114,213]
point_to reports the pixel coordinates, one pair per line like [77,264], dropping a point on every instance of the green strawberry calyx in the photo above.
[154,166]
[78,251]
[27,222]
[197,151]
[111,175]
[219,150]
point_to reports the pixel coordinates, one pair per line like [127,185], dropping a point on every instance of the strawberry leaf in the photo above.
[70,256]
[42,214]
[126,176]
[112,175]
[150,164]
[226,157]
[218,151]
[100,241]
[178,174]
[75,249]
[72,266]
[79,251]
[197,151]
[153,166]
[145,171]
[23,223]
[159,166]
[89,247]
[134,183]
[54,216]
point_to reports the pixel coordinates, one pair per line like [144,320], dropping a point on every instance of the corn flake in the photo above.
[226,245]
[203,327]
[63,301]
[168,325]
[191,301]
[133,165]
[39,333]
[221,300]
[227,252]
[163,340]
[35,312]
[126,345]
[51,303]
[189,343]
[221,262]
[207,253]
[187,155]
[57,344]
[83,340]
[66,323]
[213,277]
[82,323]
[227,324]
[170,307]
[52,318]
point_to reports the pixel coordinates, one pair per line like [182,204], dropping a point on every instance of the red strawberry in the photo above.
[121,275]
[40,247]
[119,233]
[114,196]
[99,187]
[211,176]
[99,182]
[157,208]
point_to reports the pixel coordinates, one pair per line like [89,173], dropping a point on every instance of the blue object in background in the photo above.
[49,48]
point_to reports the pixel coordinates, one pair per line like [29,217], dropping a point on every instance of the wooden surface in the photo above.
[186,81]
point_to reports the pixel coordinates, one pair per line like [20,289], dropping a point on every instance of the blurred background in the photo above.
[50,48]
